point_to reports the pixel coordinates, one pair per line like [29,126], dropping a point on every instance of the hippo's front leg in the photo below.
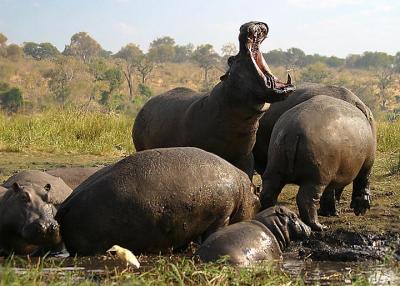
[328,203]
[307,199]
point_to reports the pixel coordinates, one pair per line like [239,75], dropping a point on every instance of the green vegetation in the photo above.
[66,131]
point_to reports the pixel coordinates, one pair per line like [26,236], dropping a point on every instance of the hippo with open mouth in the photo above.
[224,121]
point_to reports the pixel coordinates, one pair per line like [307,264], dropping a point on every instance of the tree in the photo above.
[162,50]
[3,41]
[295,58]
[206,58]
[144,66]
[40,51]
[183,53]
[14,52]
[315,73]
[83,47]
[130,55]
[397,62]
[229,49]
[60,78]
[113,77]
[385,78]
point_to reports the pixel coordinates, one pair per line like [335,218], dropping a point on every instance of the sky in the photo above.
[326,27]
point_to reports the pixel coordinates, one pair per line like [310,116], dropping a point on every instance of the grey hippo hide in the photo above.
[263,238]
[268,120]
[321,145]
[155,200]
[224,121]
[73,176]
[27,210]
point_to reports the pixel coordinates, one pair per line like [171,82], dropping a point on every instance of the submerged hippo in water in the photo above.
[28,204]
[224,121]
[321,144]
[268,120]
[73,176]
[262,238]
[155,200]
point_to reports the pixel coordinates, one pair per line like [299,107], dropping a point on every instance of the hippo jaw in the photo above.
[251,36]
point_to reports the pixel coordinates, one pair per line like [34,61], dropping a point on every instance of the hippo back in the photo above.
[153,200]
[73,176]
[303,93]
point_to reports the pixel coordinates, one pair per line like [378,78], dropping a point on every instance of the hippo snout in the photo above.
[42,232]
[299,230]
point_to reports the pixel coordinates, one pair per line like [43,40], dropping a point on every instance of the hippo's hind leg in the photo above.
[329,199]
[307,199]
[271,188]
[360,199]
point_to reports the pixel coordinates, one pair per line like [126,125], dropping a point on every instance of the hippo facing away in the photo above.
[321,145]
[155,200]
[268,120]
[262,238]
[224,121]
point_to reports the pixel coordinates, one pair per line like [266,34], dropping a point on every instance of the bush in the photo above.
[11,100]
[145,90]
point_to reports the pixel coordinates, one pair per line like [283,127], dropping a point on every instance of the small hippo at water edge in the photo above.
[28,202]
[262,238]
[155,200]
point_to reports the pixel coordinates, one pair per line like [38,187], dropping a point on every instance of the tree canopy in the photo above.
[40,51]
[83,47]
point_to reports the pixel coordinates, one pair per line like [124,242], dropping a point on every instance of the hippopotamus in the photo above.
[27,223]
[155,200]
[73,176]
[28,202]
[322,144]
[302,93]
[263,238]
[223,121]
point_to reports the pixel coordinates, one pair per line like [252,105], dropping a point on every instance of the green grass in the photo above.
[66,131]
[163,271]
[388,136]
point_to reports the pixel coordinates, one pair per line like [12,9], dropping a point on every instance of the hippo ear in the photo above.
[16,187]
[47,187]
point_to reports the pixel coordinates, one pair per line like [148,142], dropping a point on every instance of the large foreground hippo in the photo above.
[224,121]
[155,200]
[28,202]
[262,238]
[321,144]
[73,176]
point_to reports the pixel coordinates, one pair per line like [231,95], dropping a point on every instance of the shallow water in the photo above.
[342,273]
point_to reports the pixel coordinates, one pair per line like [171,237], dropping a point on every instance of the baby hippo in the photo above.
[262,238]
[27,222]
[28,202]
[155,200]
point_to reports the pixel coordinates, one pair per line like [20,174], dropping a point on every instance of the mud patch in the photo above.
[346,246]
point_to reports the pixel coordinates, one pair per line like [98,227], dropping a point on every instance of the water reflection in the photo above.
[343,273]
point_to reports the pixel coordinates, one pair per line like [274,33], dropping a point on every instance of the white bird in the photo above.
[125,255]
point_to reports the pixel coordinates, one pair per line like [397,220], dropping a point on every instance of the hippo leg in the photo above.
[307,199]
[361,200]
[272,187]
[328,202]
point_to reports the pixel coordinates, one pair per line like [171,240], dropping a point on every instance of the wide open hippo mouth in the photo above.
[251,36]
